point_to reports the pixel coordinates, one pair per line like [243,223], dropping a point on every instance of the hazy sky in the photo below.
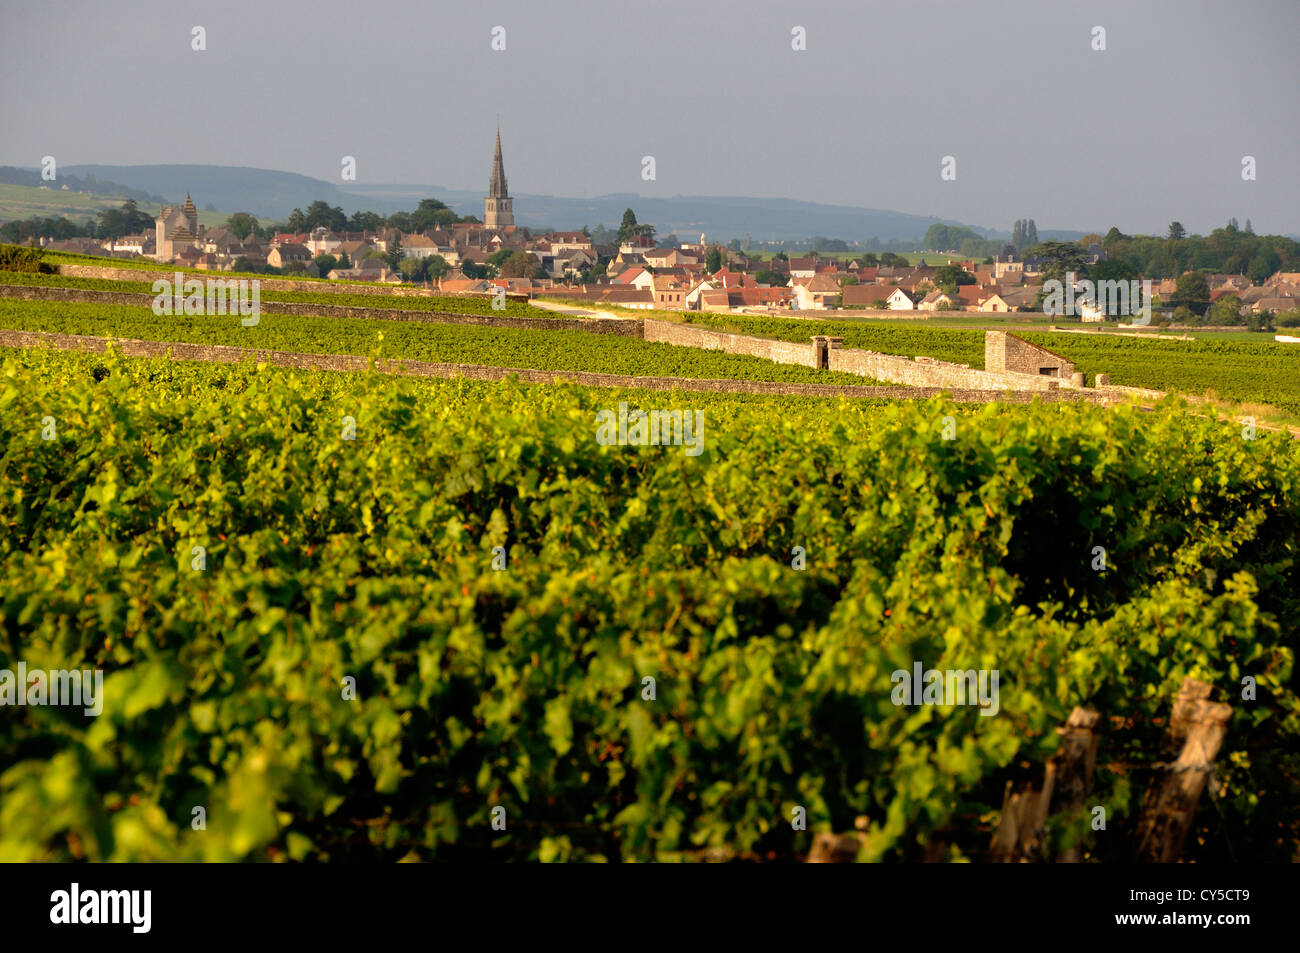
[1152,129]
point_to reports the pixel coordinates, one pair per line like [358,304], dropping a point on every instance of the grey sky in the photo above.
[1150,130]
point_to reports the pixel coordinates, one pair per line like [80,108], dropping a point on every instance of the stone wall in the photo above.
[348,362]
[904,370]
[685,335]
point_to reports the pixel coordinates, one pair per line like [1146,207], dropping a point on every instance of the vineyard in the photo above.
[1260,372]
[330,296]
[440,343]
[612,644]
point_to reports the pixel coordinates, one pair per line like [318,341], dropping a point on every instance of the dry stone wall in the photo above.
[913,373]
[684,335]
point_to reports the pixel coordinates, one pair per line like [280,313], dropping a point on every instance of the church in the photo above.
[497,211]
[176,228]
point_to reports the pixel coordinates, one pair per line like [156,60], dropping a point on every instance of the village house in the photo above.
[281,255]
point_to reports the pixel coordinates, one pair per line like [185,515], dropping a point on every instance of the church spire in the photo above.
[497,187]
[497,211]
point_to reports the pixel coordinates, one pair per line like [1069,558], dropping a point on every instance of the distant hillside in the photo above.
[263,192]
[89,185]
[272,195]
[718,217]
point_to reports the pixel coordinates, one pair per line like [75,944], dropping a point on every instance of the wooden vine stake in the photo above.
[1169,808]
[1066,780]
[839,848]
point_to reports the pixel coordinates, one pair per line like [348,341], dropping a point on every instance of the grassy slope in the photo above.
[24,201]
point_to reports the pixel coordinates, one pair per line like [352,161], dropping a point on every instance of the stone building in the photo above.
[497,210]
[175,229]
[1005,352]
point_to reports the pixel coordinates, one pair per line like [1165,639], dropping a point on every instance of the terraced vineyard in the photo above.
[439,343]
[647,675]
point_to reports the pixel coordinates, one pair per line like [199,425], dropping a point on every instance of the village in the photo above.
[495,255]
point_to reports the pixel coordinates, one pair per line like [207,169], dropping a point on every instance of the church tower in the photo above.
[497,212]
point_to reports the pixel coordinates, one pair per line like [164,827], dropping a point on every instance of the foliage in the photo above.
[14,258]
[522,689]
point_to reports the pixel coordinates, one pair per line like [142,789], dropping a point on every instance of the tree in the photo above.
[1031,233]
[1112,236]
[431,213]
[241,225]
[412,269]
[134,220]
[1261,266]
[1112,270]
[243,266]
[111,223]
[1193,292]
[365,222]
[890,260]
[949,277]
[435,266]
[322,214]
[628,229]
[1258,320]
[325,263]
[1176,231]
[1225,312]
[713,260]
[521,265]
[1061,258]
[297,222]
[394,254]
[344,261]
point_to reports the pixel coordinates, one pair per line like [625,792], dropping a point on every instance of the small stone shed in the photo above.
[1005,352]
